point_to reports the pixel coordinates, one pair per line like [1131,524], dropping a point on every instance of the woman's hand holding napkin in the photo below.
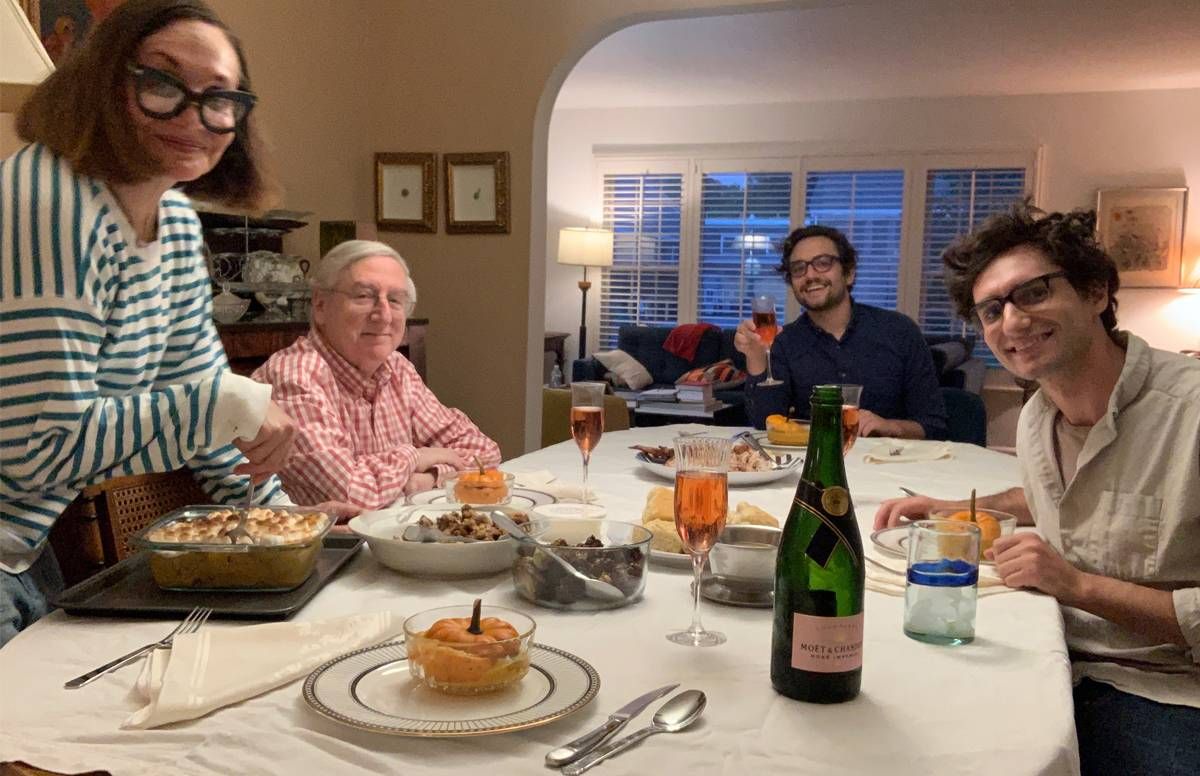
[907,450]
[215,667]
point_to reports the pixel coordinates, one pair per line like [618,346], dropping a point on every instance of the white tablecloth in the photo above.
[1001,705]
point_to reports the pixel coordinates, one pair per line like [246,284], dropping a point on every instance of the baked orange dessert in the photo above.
[481,486]
[468,655]
[782,430]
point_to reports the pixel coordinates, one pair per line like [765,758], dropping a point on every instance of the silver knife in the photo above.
[569,753]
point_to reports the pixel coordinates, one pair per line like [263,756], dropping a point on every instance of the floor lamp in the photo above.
[585,247]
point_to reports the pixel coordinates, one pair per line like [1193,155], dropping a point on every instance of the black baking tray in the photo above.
[128,589]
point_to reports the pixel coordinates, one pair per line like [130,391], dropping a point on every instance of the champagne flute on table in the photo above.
[701,503]
[762,310]
[587,424]
[851,396]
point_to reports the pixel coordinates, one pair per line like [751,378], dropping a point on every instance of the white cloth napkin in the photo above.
[548,483]
[215,667]
[887,575]
[907,450]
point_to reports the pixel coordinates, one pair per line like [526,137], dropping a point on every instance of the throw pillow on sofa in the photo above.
[627,371]
[723,375]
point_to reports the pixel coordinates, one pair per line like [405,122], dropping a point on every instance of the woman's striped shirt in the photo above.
[109,362]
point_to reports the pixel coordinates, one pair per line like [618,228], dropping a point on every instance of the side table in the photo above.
[663,413]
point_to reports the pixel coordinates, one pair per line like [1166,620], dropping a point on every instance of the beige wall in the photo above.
[341,80]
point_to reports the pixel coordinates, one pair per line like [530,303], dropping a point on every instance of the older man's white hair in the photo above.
[344,255]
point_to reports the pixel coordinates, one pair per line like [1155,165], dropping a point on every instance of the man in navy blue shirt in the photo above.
[837,340]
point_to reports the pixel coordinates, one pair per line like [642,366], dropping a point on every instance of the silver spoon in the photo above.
[597,589]
[239,531]
[673,716]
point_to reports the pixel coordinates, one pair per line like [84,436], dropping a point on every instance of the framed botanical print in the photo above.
[1142,229]
[406,192]
[477,193]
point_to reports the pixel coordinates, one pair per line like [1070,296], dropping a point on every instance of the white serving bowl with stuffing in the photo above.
[384,531]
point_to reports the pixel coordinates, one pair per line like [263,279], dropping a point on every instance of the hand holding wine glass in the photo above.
[587,423]
[701,503]
[766,326]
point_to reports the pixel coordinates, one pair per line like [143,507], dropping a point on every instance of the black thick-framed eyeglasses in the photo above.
[1024,297]
[161,95]
[821,263]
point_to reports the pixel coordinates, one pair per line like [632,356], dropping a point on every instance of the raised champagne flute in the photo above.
[762,310]
[587,424]
[701,503]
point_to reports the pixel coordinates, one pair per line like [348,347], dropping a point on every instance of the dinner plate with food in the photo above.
[460,671]
[992,525]
[439,540]
[784,433]
[666,548]
[746,465]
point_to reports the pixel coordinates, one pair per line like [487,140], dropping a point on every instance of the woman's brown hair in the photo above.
[80,111]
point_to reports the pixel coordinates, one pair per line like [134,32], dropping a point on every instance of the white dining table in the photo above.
[1000,705]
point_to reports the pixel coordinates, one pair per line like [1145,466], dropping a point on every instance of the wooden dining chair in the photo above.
[94,532]
[556,415]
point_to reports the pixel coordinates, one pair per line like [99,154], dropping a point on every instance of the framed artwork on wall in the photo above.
[477,193]
[63,24]
[1142,229]
[406,192]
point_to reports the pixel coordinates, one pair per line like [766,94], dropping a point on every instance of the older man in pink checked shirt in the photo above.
[369,431]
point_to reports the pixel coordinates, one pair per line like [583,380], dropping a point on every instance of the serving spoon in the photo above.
[595,588]
[673,716]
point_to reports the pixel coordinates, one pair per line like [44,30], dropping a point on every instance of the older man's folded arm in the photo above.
[437,425]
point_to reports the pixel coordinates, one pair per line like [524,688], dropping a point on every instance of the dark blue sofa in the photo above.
[645,343]
[958,372]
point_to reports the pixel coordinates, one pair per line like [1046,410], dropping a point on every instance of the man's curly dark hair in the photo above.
[847,255]
[1067,239]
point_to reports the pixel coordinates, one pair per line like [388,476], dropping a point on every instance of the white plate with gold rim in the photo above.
[678,560]
[520,498]
[736,479]
[372,689]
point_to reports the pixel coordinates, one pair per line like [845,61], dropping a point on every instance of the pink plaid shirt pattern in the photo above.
[357,437]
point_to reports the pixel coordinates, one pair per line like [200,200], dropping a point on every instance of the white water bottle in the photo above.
[556,377]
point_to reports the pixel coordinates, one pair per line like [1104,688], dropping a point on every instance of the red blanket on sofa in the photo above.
[685,338]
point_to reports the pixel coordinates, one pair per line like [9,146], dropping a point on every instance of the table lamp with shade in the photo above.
[585,247]
[1190,281]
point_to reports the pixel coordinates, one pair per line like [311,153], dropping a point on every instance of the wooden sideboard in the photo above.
[251,343]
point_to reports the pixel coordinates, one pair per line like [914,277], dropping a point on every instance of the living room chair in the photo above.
[966,416]
[556,415]
[94,532]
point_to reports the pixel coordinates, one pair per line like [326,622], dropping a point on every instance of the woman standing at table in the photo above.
[109,361]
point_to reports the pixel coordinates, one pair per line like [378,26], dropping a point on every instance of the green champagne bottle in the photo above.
[816,642]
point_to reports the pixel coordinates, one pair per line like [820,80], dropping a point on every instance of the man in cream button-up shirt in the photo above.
[1110,457]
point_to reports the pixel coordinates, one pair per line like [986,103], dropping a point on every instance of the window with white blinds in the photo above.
[956,202]
[868,206]
[744,218]
[645,212]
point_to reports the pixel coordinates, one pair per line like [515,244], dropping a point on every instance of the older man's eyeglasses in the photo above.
[1024,297]
[367,299]
[822,263]
[161,95]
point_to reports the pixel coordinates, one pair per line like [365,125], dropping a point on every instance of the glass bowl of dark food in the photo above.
[609,551]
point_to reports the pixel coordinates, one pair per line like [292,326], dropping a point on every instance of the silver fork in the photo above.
[190,624]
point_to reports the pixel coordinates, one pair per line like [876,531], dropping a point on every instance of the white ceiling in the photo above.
[899,48]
